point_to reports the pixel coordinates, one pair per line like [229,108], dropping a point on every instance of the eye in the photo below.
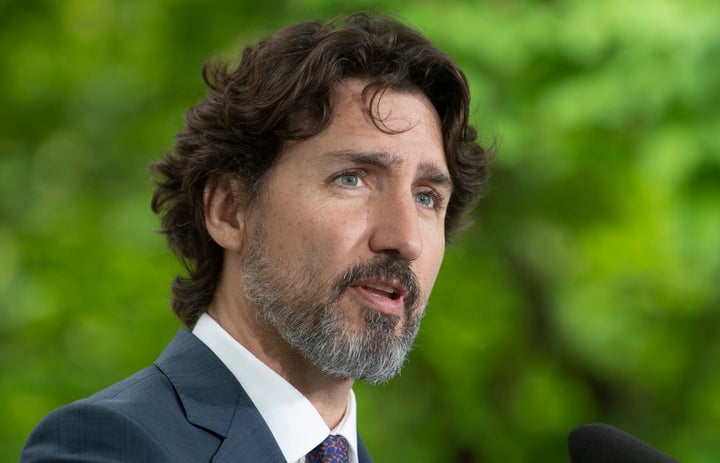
[426,199]
[349,179]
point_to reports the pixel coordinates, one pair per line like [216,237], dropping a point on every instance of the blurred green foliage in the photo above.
[587,291]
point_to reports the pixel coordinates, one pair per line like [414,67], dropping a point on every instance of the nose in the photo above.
[396,228]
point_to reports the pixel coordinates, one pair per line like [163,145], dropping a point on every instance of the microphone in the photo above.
[602,443]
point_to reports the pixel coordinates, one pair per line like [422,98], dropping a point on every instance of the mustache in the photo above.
[385,267]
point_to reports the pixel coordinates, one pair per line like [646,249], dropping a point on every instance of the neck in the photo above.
[328,394]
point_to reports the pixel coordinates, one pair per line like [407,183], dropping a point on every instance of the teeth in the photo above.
[384,288]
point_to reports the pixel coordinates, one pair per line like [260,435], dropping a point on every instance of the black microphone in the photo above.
[602,443]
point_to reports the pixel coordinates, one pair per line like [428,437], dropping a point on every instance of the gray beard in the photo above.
[313,324]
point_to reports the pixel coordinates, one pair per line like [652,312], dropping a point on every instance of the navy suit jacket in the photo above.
[187,407]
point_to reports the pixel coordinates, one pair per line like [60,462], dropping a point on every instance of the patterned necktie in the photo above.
[334,449]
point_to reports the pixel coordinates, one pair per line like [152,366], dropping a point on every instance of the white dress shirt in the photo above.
[293,420]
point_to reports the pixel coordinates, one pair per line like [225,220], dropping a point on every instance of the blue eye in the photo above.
[349,180]
[425,199]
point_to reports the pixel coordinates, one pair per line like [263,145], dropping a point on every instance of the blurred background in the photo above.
[588,290]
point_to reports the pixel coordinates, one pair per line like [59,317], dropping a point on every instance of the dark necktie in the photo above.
[334,449]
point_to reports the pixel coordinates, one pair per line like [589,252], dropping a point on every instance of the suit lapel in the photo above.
[249,439]
[214,400]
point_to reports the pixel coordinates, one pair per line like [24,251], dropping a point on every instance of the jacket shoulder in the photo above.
[87,431]
[137,419]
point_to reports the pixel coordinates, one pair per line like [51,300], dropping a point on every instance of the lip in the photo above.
[387,296]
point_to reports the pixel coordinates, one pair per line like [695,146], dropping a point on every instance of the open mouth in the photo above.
[383,295]
[383,290]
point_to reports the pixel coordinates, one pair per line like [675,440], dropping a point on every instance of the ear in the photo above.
[224,212]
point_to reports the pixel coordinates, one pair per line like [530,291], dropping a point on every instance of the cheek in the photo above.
[316,234]
[333,235]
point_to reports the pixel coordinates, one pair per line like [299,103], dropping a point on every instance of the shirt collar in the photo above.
[293,420]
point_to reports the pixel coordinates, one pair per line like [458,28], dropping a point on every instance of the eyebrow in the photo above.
[430,171]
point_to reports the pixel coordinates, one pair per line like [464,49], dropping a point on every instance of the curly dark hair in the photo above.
[283,89]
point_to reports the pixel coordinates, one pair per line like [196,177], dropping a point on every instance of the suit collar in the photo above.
[208,391]
[214,400]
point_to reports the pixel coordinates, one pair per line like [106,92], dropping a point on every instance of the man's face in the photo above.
[347,237]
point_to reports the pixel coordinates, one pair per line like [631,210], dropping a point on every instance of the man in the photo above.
[310,196]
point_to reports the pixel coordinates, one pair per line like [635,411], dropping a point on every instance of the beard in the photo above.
[304,309]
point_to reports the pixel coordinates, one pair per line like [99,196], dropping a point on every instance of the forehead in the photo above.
[402,124]
[389,110]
